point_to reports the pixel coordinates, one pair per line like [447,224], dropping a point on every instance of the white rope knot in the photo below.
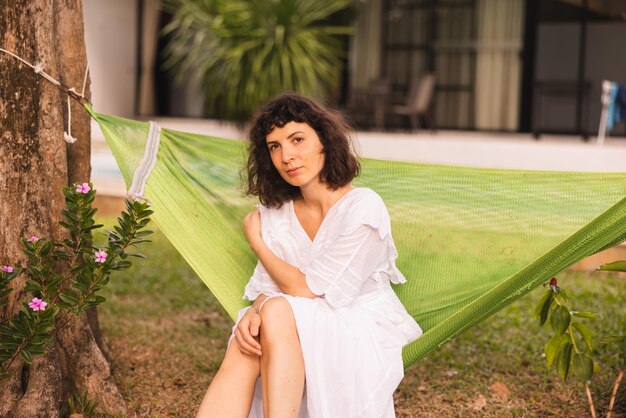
[69,138]
[38,68]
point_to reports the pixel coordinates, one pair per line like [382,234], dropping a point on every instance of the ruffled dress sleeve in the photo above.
[361,247]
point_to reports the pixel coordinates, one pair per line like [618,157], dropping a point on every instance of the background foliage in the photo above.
[245,51]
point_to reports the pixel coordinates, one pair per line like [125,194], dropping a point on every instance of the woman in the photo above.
[325,333]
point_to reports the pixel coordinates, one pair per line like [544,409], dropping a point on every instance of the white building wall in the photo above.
[111,38]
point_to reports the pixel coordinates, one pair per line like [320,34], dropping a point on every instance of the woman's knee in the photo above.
[276,315]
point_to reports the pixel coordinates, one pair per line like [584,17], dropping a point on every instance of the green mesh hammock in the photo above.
[470,240]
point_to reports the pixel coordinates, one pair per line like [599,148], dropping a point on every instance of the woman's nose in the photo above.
[287,154]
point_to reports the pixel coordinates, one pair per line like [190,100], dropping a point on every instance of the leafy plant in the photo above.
[65,277]
[571,347]
[245,51]
[620,339]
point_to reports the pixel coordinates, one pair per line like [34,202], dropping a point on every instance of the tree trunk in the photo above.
[35,163]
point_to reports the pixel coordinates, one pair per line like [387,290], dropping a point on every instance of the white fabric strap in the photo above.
[147,163]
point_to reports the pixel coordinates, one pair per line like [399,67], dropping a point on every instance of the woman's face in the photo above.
[297,153]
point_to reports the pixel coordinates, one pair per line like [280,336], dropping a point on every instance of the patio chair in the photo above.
[367,106]
[379,91]
[418,101]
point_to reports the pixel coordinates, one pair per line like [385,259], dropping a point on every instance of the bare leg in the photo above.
[264,385]
[282,364]
[231,391]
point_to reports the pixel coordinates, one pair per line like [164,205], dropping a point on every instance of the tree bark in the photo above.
[35,163]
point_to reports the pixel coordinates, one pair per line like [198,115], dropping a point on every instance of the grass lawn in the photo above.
[167,336]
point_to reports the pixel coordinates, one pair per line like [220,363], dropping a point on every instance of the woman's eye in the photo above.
[272,147]
[298,139]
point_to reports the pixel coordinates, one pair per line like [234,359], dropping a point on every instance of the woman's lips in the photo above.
[294,171]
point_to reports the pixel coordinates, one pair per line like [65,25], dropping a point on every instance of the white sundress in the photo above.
[352,336]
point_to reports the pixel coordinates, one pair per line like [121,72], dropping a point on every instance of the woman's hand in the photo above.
[252,227]
[247,333]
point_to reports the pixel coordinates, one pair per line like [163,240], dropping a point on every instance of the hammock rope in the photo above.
[70,91]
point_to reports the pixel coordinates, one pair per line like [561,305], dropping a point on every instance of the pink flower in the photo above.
[6,269]
[83,188]
[553,285]
[101,256]
[37,304]
[33,239]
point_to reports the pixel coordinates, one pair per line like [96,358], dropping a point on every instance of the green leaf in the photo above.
[99,299]
[80,286]
[613,339]
[69,215]
[584,314]
[614,266]
[119,230]
[583,366]
[560,319]
[89,197]
[552,348]
[37,351]
[543,307]
[32,286]
[138,255]
[563,360]
[68,297]
[26,356]
[618,339]
[8,345]
[121,265]
[63,255]
[129,205]
[585,332]
[138,241]
[64,305]
[143,223]
[144,213]
[55,280]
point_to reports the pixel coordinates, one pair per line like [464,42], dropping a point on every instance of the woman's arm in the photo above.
[288,278]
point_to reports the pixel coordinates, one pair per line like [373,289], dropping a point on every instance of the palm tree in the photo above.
[245,51]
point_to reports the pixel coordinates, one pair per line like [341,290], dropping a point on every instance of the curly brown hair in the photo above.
[334,132]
